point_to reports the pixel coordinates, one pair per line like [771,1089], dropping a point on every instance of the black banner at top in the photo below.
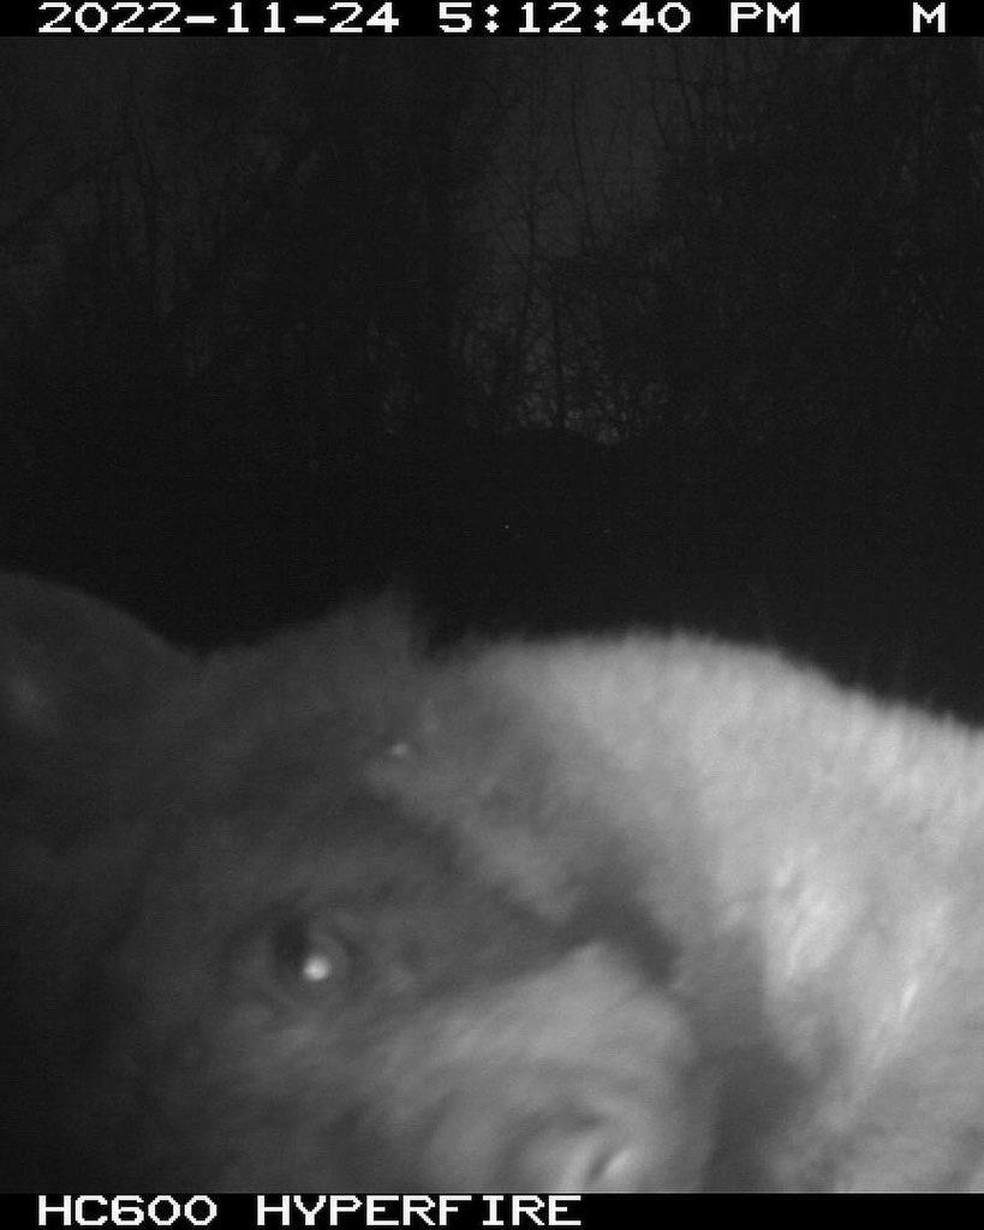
[450,19]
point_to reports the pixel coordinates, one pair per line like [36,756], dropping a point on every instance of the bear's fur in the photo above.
[234,960]
[639,913]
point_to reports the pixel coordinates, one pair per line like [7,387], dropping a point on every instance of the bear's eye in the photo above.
[306,954]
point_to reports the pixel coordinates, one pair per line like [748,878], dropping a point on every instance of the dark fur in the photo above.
[185,840]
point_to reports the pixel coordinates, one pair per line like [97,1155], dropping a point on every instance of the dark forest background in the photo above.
[686,332]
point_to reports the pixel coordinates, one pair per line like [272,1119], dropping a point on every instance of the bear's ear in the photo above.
[67,660]
[74,674]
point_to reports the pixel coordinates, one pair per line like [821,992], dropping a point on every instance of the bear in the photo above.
[234,960]
[631,913]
